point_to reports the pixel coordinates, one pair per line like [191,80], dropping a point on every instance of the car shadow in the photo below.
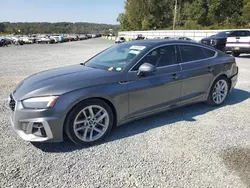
[237,160]
[151,122]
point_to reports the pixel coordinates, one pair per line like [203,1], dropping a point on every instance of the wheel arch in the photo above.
[217,77]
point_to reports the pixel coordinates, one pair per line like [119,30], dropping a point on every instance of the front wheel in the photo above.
[236,54]
[89,122]
[218,92]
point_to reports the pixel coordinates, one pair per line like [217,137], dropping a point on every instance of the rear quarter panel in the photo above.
[224,65]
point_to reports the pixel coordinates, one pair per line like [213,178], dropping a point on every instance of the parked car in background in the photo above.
[17,41]
[45,40]
[219,40]
[238,43]
[4,42]
[183,38]
[82,37]
[120,39]
[167,38]
[27,40]
[72,38]
[123,83]
[139,37]
[56,38]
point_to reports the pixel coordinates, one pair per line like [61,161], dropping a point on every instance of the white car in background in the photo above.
[27,40]
[239,43]
[45,40]
[17,41]
[120,39]
[56,38]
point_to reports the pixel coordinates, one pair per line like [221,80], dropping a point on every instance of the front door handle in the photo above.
[210,69]
[175,76]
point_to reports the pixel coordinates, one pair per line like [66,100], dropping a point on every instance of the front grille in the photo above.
[12,103]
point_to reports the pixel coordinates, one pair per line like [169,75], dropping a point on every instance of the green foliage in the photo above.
[246,13]
[61,27]
[191,14]
[2,27]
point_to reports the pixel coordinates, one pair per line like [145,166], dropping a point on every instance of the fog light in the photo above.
[39,130]
[24,126]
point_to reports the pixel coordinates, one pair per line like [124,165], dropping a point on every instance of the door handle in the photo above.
[210,69]
[175,76]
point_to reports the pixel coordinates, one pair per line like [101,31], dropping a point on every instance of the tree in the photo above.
[246,13]
[192,14]
[221,11]
[2,27]
[61,27]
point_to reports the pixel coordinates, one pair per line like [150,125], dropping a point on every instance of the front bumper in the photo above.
[36,125]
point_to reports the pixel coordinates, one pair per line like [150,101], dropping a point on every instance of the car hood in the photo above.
[214,37]
[62,80]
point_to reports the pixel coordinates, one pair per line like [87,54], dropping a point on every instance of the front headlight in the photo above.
[40,102]
[213,42]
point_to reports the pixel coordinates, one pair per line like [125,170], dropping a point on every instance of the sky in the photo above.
[94,11]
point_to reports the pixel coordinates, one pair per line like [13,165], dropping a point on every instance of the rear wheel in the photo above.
[89,122]
[218,92]
[236,54]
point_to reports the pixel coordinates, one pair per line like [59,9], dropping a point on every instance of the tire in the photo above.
[236,54]
[216,95]
[79,126]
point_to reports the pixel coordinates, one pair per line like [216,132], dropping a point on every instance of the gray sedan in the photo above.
[121,84]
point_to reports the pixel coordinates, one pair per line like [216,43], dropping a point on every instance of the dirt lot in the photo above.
[196,146]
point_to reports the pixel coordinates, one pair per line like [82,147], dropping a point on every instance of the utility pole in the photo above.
[175,12]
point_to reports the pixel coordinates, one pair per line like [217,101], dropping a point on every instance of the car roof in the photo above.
[152,42]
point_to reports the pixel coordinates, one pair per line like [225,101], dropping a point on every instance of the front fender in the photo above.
[116,94]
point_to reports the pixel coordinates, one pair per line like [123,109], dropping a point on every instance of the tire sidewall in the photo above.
[73,113]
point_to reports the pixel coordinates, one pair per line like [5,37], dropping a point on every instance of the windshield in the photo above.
[222,34]
[116,58]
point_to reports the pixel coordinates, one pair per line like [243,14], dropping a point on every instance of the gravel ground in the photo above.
[195,146]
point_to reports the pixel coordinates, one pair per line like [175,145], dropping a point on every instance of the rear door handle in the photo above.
[175,76]
[210,69]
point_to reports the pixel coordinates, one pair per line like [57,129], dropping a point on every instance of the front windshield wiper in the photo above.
[92,67]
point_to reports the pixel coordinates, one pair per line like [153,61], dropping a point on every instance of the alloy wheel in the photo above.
[91,123]
[220,91]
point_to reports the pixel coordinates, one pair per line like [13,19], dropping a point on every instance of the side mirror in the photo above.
[146,68]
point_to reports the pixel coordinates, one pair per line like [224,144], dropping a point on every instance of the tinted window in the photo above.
[192,53]
[209,53]
[222,34]
[240,33]
[159,57]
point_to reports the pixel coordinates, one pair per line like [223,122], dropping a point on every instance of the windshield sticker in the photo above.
[111,68]
[137,48]
[118,69]
[136,52]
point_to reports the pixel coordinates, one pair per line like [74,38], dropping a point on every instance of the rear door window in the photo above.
[167,56]
[192,53]
[209,53]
